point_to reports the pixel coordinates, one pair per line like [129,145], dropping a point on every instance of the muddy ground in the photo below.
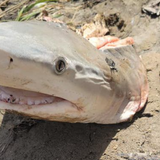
[138,139]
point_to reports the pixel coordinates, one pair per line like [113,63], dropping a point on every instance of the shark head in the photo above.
[49,72]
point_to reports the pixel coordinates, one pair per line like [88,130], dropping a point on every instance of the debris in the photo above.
[152,8]
[32,10]
[47,17]
[96,28]
[63,1]
[2,4]
[12,9]
[139,156]
[115,20]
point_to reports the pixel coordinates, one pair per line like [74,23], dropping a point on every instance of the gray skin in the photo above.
[102,86]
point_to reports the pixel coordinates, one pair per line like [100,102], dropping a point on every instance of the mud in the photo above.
[139,139]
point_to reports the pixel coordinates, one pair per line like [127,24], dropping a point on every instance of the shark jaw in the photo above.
[37,105]
[22,97]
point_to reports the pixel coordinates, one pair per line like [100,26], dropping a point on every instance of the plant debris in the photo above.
[11,10]
[96,28]
[152,8]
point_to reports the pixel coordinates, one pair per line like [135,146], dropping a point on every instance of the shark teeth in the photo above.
[22,100]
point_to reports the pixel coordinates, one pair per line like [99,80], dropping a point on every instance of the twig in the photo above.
[13,8]
[3,3]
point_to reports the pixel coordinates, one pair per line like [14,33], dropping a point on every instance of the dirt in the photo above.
[138,139]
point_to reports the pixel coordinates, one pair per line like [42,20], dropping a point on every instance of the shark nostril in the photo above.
[11,59]
[10,62]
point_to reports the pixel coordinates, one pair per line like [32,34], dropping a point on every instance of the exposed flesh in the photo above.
[110,41]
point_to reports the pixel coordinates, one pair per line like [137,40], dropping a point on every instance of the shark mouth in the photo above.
[24,97]
[38,105]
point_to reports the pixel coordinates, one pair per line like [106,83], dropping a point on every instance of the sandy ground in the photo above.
[138,139]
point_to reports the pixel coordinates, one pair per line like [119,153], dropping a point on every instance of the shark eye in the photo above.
[60,65]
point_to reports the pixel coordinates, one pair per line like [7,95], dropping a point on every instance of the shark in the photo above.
[49,72]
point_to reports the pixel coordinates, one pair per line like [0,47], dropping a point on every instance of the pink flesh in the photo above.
[107,41]
[99,42]
[126,41]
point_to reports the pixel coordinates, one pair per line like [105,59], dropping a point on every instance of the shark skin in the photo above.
[49,72]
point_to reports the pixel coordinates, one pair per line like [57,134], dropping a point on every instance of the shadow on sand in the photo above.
[28,139]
